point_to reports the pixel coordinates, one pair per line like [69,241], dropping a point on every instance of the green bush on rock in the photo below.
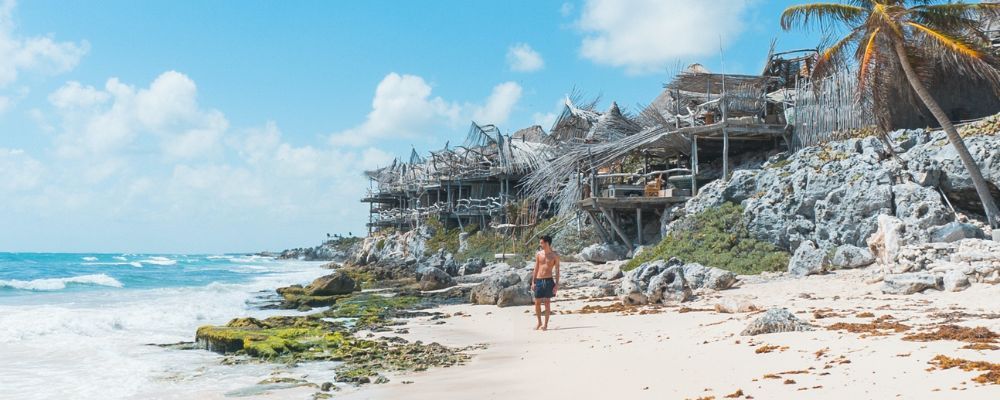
[717,237]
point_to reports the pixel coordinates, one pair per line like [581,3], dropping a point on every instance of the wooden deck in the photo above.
[629,203]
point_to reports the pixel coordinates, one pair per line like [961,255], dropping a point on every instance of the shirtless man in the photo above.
[545,280]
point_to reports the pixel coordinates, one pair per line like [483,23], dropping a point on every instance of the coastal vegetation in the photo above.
[716,237]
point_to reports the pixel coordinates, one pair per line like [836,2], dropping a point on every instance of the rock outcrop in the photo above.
[917,267]
[330,285]
[504,287]
[600,253]
[855,193]
[432,278]
[807,260]
[910,283]
[669,281]
[776,320]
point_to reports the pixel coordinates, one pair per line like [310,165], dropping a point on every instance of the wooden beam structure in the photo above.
[614,224]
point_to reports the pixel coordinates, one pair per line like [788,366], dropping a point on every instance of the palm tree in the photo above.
[915,37]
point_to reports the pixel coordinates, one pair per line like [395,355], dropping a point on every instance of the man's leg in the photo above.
[538,313]
[547,312]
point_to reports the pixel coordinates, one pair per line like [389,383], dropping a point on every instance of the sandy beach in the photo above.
[692,351]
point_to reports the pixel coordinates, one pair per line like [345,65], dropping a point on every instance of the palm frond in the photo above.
[821,13]
[833,56]
[868,53]
[955,17]
[955,44]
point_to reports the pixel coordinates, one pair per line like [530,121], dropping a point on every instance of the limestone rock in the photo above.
[699,276]
[850,256]
[435,279]
[633,288]
[955,231]
[910,283]
[735,306]
[955,281]
[807,260]
[600,253]
[472,266]
[776,320]
[329,285]
[516,295]
[668,286]
[488,292]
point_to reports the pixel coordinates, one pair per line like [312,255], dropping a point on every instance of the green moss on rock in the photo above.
[716,237]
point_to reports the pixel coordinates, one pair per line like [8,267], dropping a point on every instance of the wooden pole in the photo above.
[694,165]
[599,227]
[611,218]
[638,226]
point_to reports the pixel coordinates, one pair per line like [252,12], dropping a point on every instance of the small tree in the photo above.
[913,37]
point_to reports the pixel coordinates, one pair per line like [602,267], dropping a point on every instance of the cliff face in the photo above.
[825,197]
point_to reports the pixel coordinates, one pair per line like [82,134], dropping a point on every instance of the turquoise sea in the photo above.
[84,326]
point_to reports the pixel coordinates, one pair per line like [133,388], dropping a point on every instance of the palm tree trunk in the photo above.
[992,213]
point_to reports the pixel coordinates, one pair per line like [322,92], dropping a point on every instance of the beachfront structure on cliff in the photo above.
[620,172]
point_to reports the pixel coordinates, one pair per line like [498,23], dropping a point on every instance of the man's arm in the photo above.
[534,273]
[556,274]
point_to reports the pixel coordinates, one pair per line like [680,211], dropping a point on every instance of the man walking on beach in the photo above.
[545,279]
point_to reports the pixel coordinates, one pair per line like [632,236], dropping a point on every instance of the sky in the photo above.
[240,126]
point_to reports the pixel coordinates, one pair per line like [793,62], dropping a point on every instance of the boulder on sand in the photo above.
[699,276]
[516,295]
[434,279]
[910,283]
[776,320]
[807,260]
[668,286]
[600,253]
[955,281]
[850,256]
[488,292]
[330,285]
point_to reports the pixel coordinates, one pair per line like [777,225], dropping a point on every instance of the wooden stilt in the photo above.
[599,227]
[614,224]
[638,226]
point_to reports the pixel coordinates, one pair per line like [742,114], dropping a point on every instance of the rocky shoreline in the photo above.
[900,215]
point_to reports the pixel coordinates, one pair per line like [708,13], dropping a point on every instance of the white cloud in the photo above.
[98,122]
[499,105]
[37,53]
[403,108]
[18,171]
[545,120]
[645,36]
[522,58]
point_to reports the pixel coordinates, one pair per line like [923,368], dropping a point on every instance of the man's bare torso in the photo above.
[546,263]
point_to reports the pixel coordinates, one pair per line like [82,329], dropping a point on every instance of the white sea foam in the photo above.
[45,284]
[159,261]
[120,258]
[90,259]
[93,344]
[132,263]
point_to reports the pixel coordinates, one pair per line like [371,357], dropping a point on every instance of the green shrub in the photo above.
[717,237]
[442,237]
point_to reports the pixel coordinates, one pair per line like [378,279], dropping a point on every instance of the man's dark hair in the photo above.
[547,239]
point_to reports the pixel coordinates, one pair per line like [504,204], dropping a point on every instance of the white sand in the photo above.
[675,355]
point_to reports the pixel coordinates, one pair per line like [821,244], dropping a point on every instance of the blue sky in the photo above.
[182,126]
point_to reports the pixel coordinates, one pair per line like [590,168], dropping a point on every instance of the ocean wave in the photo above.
[132,263]
[90,259]
[159,261]
[119,258]
[48,284]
